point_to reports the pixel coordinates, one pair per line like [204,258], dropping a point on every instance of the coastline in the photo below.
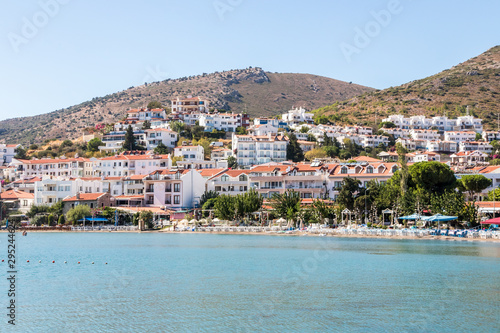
[296,234]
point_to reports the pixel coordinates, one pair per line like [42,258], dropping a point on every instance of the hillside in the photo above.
[253,90]
[474,83]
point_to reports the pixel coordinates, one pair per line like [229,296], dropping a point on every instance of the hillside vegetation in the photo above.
[474,83]
[252,90]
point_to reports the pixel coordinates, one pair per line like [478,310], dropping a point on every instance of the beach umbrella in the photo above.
[439,218]
[184,221]
[193,221]
[496,220]
[410,217]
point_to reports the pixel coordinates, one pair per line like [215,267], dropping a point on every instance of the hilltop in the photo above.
[253,90]
[474,83]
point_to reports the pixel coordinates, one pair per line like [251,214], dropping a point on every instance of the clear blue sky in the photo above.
[90,48]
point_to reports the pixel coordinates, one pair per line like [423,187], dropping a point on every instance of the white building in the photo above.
[7,153]
[441,123]
[220,154]
[458,136]
[481,146]
[424,134]
[251,150]
[190,153]
[146,114]
[297,115]
[442,146]
[57,167]
[373,140]
[190,104]
[265,129]
[174,189]
[397,132]
[131,163]
[227,122]
[155,136]
[51,190]
[230,182]
[491,135]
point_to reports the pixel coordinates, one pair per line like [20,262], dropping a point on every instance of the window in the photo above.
[177,187]
[177,199]
[343,170]
[243,178]
[369,169]
[224,178]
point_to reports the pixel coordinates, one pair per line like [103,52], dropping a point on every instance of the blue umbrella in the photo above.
[439,218]
[410,217]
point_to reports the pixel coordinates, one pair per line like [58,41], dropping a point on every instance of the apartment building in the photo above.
[7,153]
[190,153]
[458,136]
[397,132]
[250,150]
[131,163]
[308,179]
[16,200]
[51,190]
[441,123]
[264,129]
[190,104]
[56,167]
[442,146]
[481,146]
[156,136]
[174,189]
[230,182]
[227,122]
[364,172]
[491,135]
[424,134]
[220,154]
[92,200]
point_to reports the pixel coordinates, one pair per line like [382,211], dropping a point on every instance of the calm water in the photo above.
[237,283]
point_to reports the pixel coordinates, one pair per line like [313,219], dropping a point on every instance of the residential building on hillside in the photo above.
[51,190]
[279,123]
[397,132]
[230,182]
[264,129]
[144,114]
[251,150]
[56,167]
[491,135]
[458,136]
[298,115]
[131,163]
[220,154]
[440,123]
[442,146]
[190,153]
[190,104]
[7,153]
[174,189]
[469,158]
[424,134]
[227,122]
[481,146]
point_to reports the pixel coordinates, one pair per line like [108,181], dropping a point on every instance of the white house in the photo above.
[155,136]
[297,115]
[190,153]
[7,153]
[481,146]
[174,189]
[230,182]
[458,136]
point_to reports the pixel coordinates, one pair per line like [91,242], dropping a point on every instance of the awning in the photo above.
[496,220]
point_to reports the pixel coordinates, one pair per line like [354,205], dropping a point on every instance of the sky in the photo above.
[58,53]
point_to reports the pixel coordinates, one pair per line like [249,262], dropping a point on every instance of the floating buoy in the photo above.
[65,262]
[78,262]
[2,260]
[92,262]
[27,261]
[53,261]
[39,261]
[106,263]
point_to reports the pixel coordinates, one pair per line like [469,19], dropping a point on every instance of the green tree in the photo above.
[66,143]
[240,130]
[311,138]
[232,162]
[348,191]
[474,184]
[322,210]
[327,141]
[315,153]
[387,124]
[293,150]
[494,195]
[331,151]
[161,149]
[154,105]
[287,204]
[61,220]
[130,142]
[432,177]
[208,195]
[35,210]
[147,217]
[94,144]
[77,213]
[208,205]
[146,125]
[20,153]
[177,126]
[304,129]
[449,203]
[225,207]
[247,203]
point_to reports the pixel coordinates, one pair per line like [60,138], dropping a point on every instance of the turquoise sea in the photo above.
[245,283]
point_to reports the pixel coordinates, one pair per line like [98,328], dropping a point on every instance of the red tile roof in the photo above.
[86,197]
[14,195]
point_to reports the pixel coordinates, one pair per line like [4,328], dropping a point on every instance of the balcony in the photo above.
[150,202]
[150,190]
[168,189]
